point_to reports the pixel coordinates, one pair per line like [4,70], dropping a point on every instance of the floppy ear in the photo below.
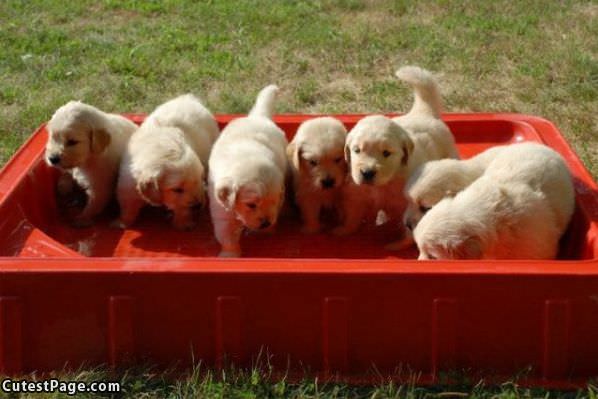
[294,154]
[407,150]
[348,151]
[149,189]
[226,195]
[470,248]
[99,140]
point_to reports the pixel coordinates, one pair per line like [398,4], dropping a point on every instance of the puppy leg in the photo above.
[310,212]
[98,193]
[183,219]
[353,214]
[228,233]
[129,210]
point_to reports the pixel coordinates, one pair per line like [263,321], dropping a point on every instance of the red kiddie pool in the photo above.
[324,305]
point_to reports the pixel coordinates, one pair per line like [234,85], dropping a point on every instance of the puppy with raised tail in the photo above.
[518,209]
[88,143]
[316,159]
[165,162]
[247,174]
[382,153]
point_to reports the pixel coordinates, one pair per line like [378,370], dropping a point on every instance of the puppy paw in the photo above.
[229,254]
[310,229]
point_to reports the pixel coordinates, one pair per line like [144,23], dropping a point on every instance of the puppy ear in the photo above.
[149,189]
[407,150]
[99,140]
[470,248]
[226,195]
[294,153]
[348,151]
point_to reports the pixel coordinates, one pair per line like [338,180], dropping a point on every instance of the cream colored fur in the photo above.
[316,159]
[165,161]
[88,143]
[247,174]
[518,209]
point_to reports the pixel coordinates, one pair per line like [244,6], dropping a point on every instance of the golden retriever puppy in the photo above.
[518,209]
[382,153]
[436,180]
[316,159]
[165,162]
[88,143]
[247,174]
[377,151]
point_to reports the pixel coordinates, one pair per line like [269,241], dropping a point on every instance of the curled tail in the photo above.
[426,93]
[264,104]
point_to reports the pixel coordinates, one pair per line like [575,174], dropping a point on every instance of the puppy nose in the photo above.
[328,182]
[265,224]
[197,205]
[368,174]
[54,159]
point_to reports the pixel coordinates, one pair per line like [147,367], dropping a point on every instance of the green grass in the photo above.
[536,57]
[260,384]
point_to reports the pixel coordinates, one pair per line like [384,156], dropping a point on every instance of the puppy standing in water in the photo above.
[518,209]
[382,153]
[316,159]
[247,174]
[165,161]
[88,143]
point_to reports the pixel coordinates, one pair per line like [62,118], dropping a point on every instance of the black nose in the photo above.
[328,182]
[197,206]
[368,175]
[265,224]
[54,159]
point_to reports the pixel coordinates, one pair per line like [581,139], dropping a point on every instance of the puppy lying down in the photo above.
[316,159]
[88,143]
[247,174]
[518,209]
[165,162]
[382,153]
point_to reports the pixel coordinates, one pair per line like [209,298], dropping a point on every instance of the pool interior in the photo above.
[35,226]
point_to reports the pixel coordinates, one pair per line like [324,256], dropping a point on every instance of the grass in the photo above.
[536,57]
[259,384]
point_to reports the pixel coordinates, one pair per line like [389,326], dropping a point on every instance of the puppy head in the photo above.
[444,233]
[377,150]
[74,135]
[256,202]
[429,184]
[317,153]
[175,185]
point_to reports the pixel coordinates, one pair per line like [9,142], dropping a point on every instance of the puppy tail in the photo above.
[427,100]
[264,104]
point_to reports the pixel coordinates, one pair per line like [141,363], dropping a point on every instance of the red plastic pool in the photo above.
[320,304]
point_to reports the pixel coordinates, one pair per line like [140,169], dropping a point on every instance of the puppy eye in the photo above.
[251,205]
[423,209]
[386,153]
[71,142]
[356,150]
[313,162]
[338,160]
[178,190]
